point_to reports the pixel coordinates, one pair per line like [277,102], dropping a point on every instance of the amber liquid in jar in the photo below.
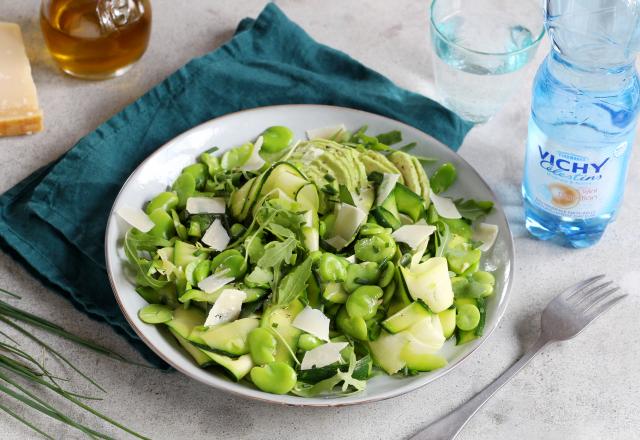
[96,39]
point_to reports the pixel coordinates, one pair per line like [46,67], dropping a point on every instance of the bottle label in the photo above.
[579,183]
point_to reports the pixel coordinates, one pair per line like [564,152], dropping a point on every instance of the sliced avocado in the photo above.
[425,186]
[374,161]
[405,165]
[358,170]
[339,170]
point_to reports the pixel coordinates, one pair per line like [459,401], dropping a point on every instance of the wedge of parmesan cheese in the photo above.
[205,205]
[226,308]
[19,110]
[322,355]
[326,132]
[487,234]
[413,235]
[445,207]
[136,217]
[216,236]
[314,322]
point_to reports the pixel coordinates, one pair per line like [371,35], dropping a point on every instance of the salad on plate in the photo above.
[308,267]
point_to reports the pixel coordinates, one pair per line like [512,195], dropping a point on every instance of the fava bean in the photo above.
[262,346]
[212,163]
[330,268]
[308,342]
[484,277]
[155,314]
[467,317]
[163,224]
[479,290]
[275,377]
[231,260]
[361,274]
[363,302]
[185,187]
[201,271]
[354,327]
[334,293]
[375,248]
[443,178]
[236,157]
[276,138]
[369,229]
[165,201]
[199,173]
[460,259]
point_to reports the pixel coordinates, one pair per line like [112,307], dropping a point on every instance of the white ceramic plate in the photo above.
[160,169]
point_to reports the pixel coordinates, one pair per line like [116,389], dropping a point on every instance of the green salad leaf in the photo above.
[136,242]
[293,283]
[278,252]
[345,195]
[390,138]
[473,209]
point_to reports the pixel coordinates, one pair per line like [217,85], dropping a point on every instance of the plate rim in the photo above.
[296,401]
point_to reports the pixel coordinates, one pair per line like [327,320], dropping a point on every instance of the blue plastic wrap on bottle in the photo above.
[583,119]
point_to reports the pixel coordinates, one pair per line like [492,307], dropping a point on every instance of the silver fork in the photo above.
[563,318]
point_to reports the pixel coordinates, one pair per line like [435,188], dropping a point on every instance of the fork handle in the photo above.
[448,427]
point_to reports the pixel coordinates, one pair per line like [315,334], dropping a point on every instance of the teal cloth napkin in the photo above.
[53,222]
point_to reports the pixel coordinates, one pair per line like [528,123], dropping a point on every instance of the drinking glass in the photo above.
[480,48]
[96,39]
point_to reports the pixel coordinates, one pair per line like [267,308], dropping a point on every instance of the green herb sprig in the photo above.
[19,366]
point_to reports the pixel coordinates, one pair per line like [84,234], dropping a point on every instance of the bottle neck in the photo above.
[588,77]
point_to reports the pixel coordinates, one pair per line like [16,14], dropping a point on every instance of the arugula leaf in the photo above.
[293,283]
[254,247]
[408,147]
[259,277]
[278,252]
[136,242]
[280,231]
[473,209]
[327,385]
[426,160]
[442,237]
[270,213]
[390,138]
[345,195]
[369,142]
[354,137]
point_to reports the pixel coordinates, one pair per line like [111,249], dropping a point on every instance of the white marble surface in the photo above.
[588,388]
